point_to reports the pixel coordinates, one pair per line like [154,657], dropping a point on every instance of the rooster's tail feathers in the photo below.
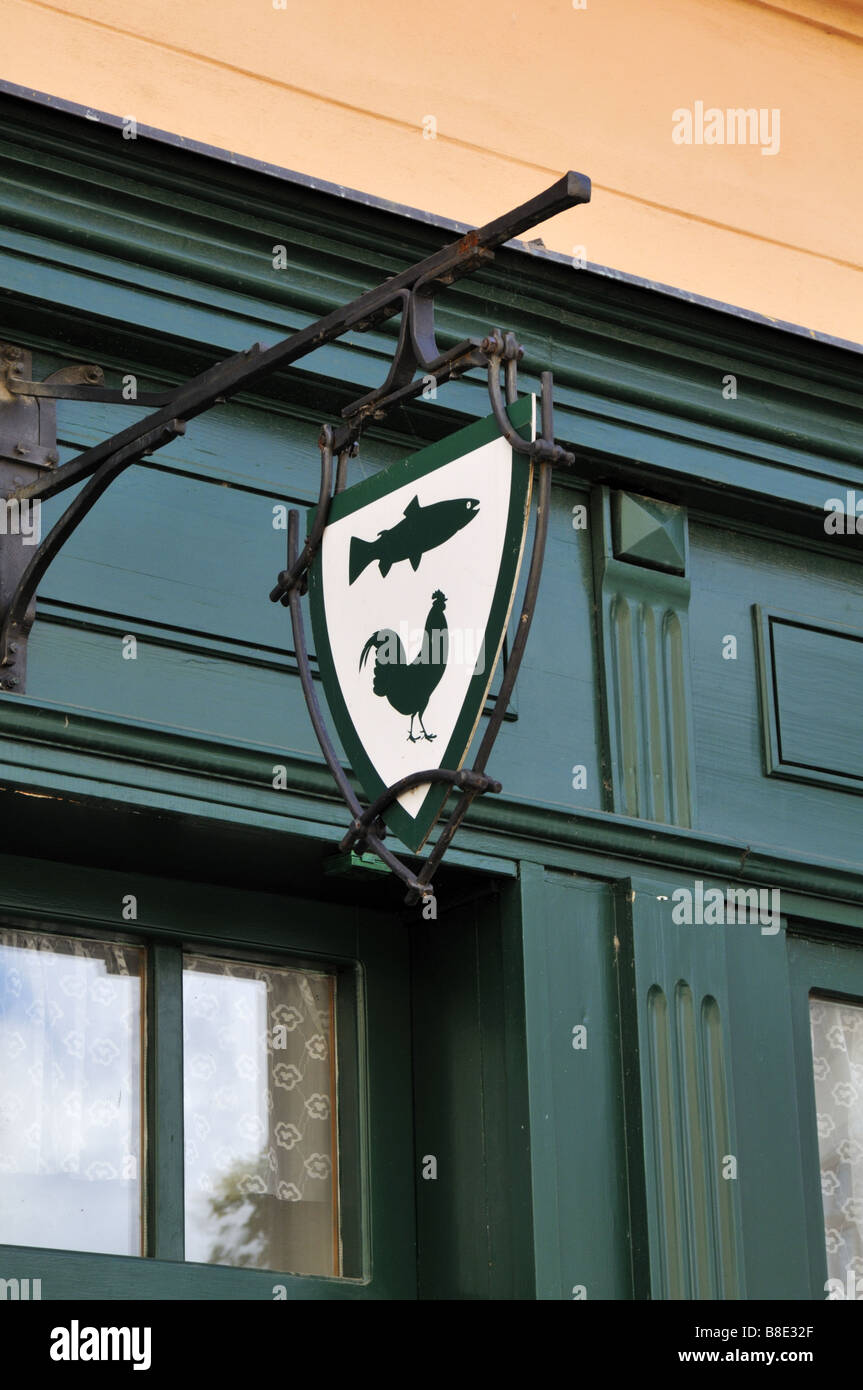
[367,648]
[389,659]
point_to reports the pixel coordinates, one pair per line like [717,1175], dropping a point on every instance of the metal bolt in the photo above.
[13,647]
[21,448]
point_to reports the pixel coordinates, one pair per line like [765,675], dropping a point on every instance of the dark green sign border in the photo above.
[413,831]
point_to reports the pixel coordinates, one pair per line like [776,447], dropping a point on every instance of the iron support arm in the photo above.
[243,371]
[18,617]
[410,294]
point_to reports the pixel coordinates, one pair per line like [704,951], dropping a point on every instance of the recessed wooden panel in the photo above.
[812,688]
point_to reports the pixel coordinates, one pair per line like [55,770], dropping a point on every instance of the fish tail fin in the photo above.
[362,553]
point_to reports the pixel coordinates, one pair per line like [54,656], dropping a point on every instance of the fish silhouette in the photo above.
[422,529]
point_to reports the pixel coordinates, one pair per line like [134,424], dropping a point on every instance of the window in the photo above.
[259,1098]
[71,1047]
[837,1060]
[239,1055]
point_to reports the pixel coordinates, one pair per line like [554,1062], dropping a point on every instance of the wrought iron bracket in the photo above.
[30,472]
[28,458]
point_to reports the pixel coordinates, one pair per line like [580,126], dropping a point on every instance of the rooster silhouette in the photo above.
[410,687]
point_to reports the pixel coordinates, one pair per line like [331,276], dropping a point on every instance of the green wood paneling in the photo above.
[473,1219]
[768,1123]
[577,1138]
[687,1097]
[731,573]
[811,683]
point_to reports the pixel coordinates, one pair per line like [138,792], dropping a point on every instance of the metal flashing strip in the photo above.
[444,224]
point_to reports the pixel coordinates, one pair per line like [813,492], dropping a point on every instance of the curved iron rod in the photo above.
[511,379]
[15,623]
[320,728]
[342,469]
[547,406]
[510,672]
[542,449]
[461,777]
[288,577]
[526,618]
[504,424]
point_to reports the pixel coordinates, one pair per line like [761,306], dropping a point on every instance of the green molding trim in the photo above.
[647,721]
[85,1276]
[164,1096]
[648,532]
[622,899]
[94,758]
[682,1010]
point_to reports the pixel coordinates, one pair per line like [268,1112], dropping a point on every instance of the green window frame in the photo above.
[367,953]
[829,965]
[164,1200]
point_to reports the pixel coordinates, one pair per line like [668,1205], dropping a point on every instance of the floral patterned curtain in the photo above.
[70,1093]
[261,1182]
[837,1053]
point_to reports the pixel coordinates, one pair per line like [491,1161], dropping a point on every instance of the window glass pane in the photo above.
[70,1093]
[837,1055]
[260,1117]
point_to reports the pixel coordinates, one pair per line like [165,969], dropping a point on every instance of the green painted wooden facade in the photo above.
[560,1169]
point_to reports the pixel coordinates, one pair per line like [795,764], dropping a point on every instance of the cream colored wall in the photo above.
[520,90]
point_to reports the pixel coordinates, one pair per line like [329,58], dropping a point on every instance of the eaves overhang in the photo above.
[417,215]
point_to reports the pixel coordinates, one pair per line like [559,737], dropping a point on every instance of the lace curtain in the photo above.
[70,1093]
[261,1182]
[837,1058]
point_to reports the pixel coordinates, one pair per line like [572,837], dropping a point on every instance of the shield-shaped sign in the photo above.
[410,599]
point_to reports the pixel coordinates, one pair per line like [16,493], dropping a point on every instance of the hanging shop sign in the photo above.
[411,574]
[410,599]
